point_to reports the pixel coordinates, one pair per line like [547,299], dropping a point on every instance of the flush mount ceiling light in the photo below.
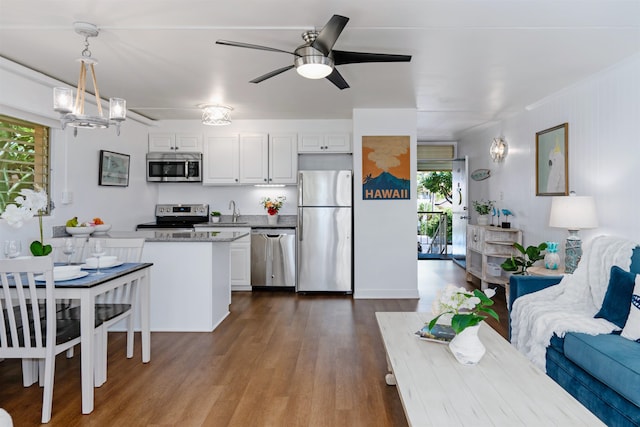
[498,150]
[215,115]
[72,112]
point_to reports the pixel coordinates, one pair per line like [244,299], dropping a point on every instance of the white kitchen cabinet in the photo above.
[175,142]
[254,158]
[319,142]
[240,251]
[221,161]
[490,245]
[251,158]
[283,158]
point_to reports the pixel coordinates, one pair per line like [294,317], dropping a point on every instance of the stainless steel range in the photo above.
[178,217]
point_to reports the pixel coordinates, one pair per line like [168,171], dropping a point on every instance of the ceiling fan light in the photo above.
[314,66]
[216,115]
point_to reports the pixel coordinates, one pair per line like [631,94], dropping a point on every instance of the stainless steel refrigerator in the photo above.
[325,222]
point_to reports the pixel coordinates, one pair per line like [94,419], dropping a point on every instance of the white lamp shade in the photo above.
[117,109]
[62,100]
[573,212]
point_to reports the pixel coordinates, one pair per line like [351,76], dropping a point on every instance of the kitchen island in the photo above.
[190,286]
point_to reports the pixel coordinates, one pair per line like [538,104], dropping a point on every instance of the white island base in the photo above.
[191,288]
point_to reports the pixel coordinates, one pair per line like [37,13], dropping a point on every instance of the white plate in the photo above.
[41,278]
[87,267]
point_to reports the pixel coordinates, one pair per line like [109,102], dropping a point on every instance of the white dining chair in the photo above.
[113,307]
[29,328]
[58,243]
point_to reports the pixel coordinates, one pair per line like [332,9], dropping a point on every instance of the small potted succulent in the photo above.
[215,216]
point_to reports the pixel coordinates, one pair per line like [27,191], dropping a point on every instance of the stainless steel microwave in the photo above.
[174,167]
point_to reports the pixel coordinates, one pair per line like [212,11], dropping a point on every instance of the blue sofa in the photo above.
[602,372]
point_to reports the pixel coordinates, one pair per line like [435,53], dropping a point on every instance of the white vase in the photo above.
[272,219]
[467,347]
[483,219]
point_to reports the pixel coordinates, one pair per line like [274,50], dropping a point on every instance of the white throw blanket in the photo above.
[570,305]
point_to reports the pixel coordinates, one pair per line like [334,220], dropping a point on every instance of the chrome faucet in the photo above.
[236,212]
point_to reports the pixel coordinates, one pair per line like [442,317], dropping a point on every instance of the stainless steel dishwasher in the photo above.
[273,258]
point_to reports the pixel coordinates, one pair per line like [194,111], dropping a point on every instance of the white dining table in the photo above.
[85,290]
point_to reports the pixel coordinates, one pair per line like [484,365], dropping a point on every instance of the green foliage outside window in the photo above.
[24,158]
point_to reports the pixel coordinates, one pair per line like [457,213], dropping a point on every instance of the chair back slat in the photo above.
[57,244]
[127,250]
[24,323]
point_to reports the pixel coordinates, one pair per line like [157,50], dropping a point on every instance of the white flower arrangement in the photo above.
[466,307]
[28,204]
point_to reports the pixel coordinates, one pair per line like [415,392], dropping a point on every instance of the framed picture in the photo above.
[114,169]
[552,161]
[386,167]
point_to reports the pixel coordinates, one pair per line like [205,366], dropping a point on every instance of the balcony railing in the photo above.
[432,234]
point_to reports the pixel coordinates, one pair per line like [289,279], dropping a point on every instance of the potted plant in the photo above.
[519,264]
[272,206]
[483,208]
[215,216]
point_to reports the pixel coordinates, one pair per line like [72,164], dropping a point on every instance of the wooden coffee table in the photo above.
[504,389]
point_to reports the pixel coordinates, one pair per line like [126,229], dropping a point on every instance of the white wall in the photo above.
[385,264]
[603,113]
[74,161]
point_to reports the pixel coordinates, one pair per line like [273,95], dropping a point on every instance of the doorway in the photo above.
[441,185]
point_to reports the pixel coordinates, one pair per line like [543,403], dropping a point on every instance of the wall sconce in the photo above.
[573,213]
[498,150]
[216,115]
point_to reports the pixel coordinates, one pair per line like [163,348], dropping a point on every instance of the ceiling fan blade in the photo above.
[336,78]
[271,74]
[252,46]
[330,33]
[341,57]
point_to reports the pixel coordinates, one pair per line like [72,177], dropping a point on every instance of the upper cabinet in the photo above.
[319,142]
[175,142]
[221,163]
[251,158]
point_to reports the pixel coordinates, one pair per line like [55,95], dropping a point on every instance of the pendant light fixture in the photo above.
[72,111]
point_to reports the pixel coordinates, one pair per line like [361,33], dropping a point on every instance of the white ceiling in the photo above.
[474,61]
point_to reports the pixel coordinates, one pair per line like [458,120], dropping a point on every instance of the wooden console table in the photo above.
[504,389]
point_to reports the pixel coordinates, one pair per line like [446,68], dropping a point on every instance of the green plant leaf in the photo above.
[490,312]
[38,249]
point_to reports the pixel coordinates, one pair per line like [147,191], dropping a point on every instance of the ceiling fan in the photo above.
[316,59]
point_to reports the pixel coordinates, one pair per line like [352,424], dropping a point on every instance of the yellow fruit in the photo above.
[73,222]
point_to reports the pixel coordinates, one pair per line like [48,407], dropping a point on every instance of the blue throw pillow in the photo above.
[617,300]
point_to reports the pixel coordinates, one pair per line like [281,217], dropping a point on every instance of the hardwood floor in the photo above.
[279,359]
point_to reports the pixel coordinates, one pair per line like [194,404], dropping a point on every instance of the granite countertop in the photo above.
[253,221]
[151,235]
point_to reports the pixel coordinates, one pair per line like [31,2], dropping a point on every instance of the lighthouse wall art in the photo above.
[386,167]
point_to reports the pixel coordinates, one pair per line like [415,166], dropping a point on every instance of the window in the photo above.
[24,158]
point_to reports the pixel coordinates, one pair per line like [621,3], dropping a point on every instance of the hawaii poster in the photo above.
[386,167]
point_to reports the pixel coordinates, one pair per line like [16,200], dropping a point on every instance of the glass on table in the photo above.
[97,250]
[69,248]
[12,248]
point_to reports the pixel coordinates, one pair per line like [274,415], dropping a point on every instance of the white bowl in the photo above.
[101,229]
[80,231]
[105,261]
[65,271]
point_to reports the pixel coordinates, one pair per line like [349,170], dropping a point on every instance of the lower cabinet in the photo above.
[240,257]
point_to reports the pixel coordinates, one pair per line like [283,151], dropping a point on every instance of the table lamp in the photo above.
[573,213]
